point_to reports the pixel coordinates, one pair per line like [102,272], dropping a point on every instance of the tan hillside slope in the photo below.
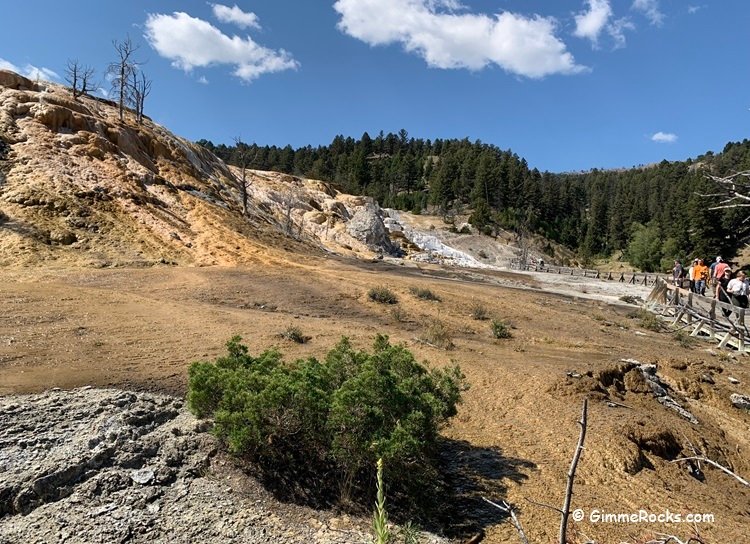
[77,186]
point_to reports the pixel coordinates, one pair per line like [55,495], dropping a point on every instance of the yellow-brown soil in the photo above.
[516,430]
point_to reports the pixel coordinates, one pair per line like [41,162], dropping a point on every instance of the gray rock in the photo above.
[103,465]
[740,401]
[144,476]
[367,226]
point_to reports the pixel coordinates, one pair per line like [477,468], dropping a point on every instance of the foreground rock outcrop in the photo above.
[105,465]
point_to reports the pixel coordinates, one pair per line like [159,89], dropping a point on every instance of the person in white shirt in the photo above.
[737,289]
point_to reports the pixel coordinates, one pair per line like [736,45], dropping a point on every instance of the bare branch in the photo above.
[715,464]
[572,474]
[508,509]
[549,506]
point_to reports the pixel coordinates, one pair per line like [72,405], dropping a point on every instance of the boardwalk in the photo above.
[705,317]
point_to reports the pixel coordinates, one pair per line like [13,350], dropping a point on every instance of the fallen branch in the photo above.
[715,464]
[508,509]
[572,473]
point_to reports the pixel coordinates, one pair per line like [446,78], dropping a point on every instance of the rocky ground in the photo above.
[105,466]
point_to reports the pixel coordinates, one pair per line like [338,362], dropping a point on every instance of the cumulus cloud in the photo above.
[433,29]
[650,8]
[664,138]
[236,16]
[202,80]
[693,9]
[589,24]
[190,42]
[30,71]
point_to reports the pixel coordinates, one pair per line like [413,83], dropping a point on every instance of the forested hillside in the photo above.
[654,213]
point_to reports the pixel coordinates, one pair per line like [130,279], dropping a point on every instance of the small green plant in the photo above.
[409,534]
[380,516]
[294,334]
[437,334]
[424,294]
[500,329]
[649,321]
[382,295]
[479,311]
[684,339]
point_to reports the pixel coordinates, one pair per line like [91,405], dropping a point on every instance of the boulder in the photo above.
[367,227]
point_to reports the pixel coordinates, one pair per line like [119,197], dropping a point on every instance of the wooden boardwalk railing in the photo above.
[634,278]
[708,317]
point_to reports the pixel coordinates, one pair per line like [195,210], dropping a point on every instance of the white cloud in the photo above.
[526,46]
[236,16]
[693,9]
[190,42]
[598,18]
[664,138]
[202,80]
[589,24]
[650,9]
[617,30]
[30,71]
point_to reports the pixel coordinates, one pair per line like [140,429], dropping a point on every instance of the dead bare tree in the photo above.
[242,159]
[121,73]
[80,78]
[140,88]
[733,190]
[565,510]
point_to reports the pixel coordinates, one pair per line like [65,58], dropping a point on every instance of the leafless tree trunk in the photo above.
[141,88]
[122,71]
[241,153]
[79,77]
[572,474]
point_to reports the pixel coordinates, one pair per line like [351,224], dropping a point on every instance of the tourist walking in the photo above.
[720,292]
[677,274]
[700,276]
[691,279]
[737,289]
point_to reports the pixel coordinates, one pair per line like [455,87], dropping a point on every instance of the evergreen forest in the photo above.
[653,214]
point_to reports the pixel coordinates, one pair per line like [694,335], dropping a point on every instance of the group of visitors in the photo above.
[728,286]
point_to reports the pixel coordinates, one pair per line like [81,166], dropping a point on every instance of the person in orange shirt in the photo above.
[700,276]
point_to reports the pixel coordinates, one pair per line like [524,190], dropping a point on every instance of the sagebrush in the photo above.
[383,295]
[424,294]
[326,422]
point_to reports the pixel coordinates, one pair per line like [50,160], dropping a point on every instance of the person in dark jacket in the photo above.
[721,294]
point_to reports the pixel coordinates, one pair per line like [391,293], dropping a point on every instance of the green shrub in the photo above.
[294,334]
[321,426]
[383,295]
[424,294]
[500,329]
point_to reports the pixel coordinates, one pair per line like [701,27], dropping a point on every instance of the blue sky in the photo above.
[568,85]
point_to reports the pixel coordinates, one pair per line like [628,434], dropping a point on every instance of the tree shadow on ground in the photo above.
[472,473]
[452,506]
